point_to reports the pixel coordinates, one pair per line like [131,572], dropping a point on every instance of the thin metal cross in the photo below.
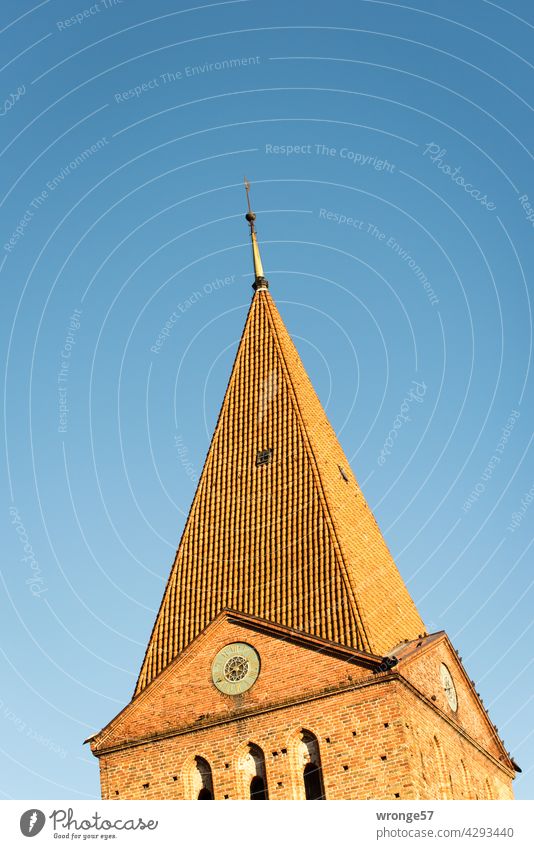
[247,189]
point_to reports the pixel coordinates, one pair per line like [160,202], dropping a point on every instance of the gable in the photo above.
[420,663]
[292,668]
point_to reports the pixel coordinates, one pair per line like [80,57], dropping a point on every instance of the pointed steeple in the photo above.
[279,527]
[259,280]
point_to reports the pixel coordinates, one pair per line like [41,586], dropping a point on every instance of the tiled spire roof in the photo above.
[279,527]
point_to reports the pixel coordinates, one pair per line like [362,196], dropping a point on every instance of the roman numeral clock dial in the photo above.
[235,668]
[448,686]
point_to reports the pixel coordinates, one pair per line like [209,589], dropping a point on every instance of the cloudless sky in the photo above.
[389,150]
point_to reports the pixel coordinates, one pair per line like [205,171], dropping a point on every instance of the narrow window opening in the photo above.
[313,784]
[263,457]
[257,788]
[202,781]
[252,768]
[205,793]
[343,473]
[311,761]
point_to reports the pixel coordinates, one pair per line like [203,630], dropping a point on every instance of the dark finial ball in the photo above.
[250,217]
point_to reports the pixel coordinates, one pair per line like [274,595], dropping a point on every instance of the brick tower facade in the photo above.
[287,659]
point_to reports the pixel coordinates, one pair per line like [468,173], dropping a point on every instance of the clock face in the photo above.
[448,686]
[235,668]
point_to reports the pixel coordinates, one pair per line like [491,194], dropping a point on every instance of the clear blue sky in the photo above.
[125,134]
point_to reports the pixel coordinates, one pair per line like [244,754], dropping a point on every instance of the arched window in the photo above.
[444,779]
[466,781]
[309,760]
[253,776]
[201,778]
[489,794]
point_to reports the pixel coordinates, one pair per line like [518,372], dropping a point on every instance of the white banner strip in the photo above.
[282,825]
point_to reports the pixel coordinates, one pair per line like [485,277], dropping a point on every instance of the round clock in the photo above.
[235,668]
[448,686]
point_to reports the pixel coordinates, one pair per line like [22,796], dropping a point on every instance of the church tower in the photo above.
[287,659]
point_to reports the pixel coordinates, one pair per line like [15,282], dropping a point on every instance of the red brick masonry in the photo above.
[382,733]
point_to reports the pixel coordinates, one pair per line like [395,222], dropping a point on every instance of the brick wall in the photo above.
[360,757]
[445,764]
[375,733]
